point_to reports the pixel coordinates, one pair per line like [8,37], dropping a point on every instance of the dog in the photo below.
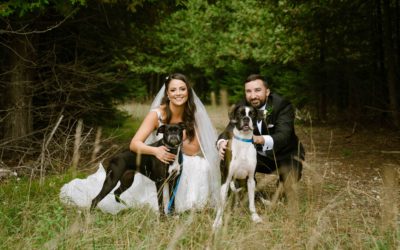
[123,167]
[240,160]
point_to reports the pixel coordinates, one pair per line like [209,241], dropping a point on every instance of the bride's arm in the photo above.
[191,147]
[149,124]
[137,144]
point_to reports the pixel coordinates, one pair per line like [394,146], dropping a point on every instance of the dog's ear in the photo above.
[231,113]
[182,125]
[160,129]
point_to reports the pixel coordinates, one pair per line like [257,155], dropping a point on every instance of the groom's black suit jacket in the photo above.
[279,124]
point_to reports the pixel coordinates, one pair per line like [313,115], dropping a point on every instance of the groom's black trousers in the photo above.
[283,166]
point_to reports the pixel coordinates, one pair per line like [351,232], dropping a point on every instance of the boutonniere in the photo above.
[267,112]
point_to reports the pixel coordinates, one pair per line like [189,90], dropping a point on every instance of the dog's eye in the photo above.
[174,130]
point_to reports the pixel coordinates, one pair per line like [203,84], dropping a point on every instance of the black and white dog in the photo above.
[125,165]
[240,160]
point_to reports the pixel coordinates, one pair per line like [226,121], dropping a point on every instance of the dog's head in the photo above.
[173,134]
[243,117]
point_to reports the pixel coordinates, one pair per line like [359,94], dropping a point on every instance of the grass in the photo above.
[32,217]
[328,213]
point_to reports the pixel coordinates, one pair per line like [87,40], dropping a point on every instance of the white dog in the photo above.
[241,162]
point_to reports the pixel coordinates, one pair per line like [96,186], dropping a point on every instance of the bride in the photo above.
[200,179]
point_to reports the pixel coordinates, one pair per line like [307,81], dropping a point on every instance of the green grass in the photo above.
[330,215]
[32,217]
[125,132]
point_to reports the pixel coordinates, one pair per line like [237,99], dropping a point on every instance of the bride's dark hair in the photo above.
[189,110]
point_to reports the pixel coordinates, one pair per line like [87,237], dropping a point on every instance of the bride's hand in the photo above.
[163,155]
[221,148]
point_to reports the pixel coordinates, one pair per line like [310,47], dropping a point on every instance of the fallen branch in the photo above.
[390,152]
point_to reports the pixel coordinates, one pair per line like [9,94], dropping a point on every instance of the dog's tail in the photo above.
[233,187]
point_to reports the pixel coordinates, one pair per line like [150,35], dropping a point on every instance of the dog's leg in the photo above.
[223,197]
[236,194]
[126,181]
[173,184]
[218,218]
[251,187]
[109,183]
[165,198]
[162,195]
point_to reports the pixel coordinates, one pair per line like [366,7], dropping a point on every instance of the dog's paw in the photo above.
[175,168]
[174,172]
[233,187]
[265,202]
[256,218]
[217,224]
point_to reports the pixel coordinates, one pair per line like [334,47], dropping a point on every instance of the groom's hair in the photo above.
[254,77]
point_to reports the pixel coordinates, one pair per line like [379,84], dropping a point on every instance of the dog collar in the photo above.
[242,139]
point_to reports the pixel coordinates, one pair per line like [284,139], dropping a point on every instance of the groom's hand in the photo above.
[258,139]
[221,148]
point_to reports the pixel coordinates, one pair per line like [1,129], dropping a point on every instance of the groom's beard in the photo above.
[258,104]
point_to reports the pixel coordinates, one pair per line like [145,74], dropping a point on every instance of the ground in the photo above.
[346,167]
[344,157]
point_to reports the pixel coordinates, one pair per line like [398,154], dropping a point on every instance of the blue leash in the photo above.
[171,200]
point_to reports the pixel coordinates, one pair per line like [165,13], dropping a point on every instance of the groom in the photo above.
[278,148]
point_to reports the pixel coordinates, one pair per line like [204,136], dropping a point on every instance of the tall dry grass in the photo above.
[321,213]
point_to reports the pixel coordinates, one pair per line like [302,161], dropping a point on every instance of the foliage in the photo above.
[88,56]
[223,42]
[21,8]
[306,48]
[78,77]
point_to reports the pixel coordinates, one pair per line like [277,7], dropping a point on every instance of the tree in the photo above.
[18,16]
[391,60]
[58,60]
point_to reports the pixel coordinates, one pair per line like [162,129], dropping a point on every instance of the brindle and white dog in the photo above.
[240,160]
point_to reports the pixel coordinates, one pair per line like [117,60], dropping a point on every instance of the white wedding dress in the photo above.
[198,187]
[193,191]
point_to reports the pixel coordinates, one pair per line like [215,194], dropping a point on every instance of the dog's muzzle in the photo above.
[246,124]
[174,140]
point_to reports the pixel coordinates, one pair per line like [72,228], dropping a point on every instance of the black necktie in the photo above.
[256,130]
[264,129]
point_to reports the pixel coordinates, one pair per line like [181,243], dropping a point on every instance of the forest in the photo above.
[67,67]
[337,60]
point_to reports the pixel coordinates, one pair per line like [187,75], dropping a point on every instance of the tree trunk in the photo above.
[379,41]
[397,21]
[18,123]
[322,103]
[390,60]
